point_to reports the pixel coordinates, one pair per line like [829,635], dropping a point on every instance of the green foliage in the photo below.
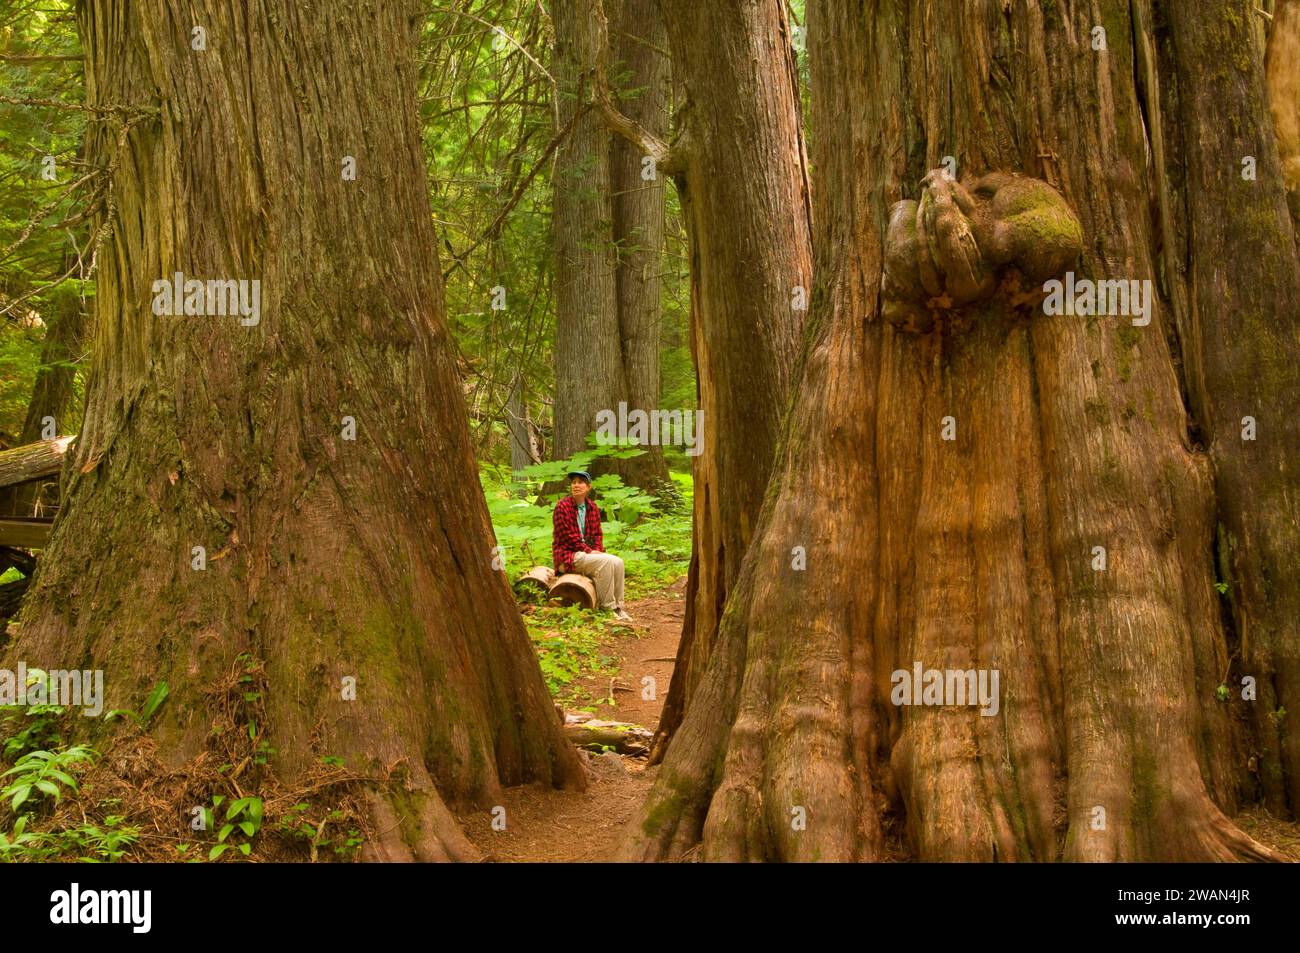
[42,772]
[39,774]
[570,646]
[34,727]
[36,246]
[151,706]
[243,821]
[20,356]
[87,842]
[655,544]
[487,108]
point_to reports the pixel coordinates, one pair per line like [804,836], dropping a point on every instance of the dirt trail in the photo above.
[547,825]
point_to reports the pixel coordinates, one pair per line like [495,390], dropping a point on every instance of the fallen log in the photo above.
[32,461]
[609,735]
[538,579]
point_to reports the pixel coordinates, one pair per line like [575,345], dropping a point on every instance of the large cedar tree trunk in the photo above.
[741,174]
[1071,433]
[327,558]
[1240,338]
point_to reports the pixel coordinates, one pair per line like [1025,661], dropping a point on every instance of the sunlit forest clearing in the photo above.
[649,430]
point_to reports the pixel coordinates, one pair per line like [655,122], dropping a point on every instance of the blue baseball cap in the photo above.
[579,473]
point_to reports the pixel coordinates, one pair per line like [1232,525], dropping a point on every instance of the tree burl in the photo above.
[1005,233]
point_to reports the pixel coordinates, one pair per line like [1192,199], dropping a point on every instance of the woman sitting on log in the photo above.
[576,543]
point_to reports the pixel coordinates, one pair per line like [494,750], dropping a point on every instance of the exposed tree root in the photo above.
[419,829]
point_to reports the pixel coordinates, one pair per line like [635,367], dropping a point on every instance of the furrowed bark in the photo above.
[637,46]
[744,192]
[1069,436]
[1243,350]
[327,558]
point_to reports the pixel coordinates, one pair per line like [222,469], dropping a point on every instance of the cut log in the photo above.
[606,735]
[539,579]
[574,589]
[571,588]
[32,461]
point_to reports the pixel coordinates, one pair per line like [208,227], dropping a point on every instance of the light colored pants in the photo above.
[606,571]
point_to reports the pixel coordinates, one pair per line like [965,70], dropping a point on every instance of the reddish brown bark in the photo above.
[326,557]
[979,552]
[740,172]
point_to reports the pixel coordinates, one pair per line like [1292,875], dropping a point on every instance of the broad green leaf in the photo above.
[155,700]
[50,788]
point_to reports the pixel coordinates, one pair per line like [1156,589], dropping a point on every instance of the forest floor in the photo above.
[543,824]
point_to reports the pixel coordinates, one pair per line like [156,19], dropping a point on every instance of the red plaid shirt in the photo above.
[565,538]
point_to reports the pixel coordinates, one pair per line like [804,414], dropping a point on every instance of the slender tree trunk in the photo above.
[608,224]
[744,192]
[1063,535]
[638,46]
[589,374]
[53,389]
[519,428]
[327,558]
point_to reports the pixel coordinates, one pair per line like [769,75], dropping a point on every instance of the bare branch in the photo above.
[666,158]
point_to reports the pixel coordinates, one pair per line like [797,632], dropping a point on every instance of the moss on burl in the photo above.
[957,244]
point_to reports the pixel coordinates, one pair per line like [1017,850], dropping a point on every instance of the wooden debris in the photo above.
[26,532]
[596,735]
[571,588]
[33,461]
